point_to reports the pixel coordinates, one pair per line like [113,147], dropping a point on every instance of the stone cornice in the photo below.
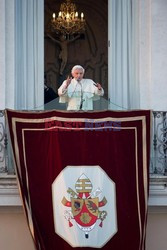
[9,193]
[158,191]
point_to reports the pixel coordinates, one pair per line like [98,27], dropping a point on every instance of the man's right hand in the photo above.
[68,81]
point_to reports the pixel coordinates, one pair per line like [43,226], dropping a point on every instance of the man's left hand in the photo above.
[98,85]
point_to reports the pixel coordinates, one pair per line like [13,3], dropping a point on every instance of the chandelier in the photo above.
[68,21]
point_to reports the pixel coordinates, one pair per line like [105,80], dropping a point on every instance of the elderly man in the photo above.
[78,92]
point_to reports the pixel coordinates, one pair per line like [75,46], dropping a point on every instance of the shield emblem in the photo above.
[92,205]
[76,205]
[85,211]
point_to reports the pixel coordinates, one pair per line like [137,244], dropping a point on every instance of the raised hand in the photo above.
[68,81]
[98,85]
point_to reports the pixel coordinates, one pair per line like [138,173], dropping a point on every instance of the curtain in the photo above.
[6,54]
[123,54]
[21,57]
[29,59]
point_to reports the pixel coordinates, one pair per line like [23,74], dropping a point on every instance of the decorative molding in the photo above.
[9,194]
[157,209]
[11,209]
[158,191]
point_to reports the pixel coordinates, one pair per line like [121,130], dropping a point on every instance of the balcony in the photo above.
[9,195]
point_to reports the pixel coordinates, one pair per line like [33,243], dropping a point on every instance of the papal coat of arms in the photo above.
[85,205]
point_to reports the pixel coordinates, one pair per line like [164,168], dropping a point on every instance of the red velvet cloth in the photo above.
[44,143]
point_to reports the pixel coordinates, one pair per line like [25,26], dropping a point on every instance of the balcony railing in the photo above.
[6,160]
[158,158]
[158,161]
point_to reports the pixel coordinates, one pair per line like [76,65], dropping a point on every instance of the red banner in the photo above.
[83,177]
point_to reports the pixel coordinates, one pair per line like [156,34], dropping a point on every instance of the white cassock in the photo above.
[79,95]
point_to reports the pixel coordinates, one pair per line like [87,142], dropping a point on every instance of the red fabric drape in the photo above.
[45,143]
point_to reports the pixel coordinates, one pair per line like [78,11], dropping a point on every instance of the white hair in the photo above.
[77,67]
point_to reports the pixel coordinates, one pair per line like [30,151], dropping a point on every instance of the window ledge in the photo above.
[158,191]
[9,193]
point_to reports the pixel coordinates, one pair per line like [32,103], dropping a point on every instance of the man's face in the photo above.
[78,74]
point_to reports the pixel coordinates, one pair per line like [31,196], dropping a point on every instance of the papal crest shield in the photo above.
[85,212]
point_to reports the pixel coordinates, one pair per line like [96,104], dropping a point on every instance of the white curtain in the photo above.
[21,58]
[7,73]
[29,57]
[123,54]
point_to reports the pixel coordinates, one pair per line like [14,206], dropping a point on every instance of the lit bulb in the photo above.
[60,14]
[76,14]
[68,16]
[54,16]
[82,15]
